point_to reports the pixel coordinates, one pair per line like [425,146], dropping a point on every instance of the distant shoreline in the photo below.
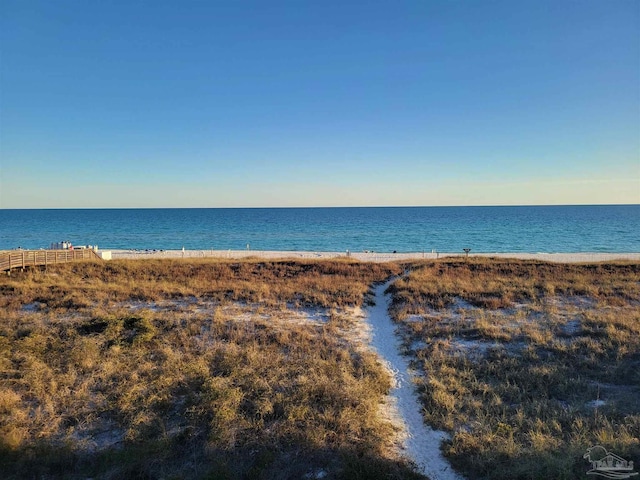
[582,257]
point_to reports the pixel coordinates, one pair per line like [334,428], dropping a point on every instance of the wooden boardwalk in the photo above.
[22,259]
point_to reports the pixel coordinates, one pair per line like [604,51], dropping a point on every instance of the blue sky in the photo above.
[318,103]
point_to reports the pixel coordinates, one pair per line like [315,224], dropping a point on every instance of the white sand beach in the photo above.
[369,256]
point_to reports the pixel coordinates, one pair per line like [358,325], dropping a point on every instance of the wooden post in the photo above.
[23,260]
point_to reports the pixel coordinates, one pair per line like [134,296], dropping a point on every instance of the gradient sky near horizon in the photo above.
[318,103]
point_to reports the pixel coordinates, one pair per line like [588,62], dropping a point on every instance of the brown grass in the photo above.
[86,285]
[209,368]
[516,352]
[190,369]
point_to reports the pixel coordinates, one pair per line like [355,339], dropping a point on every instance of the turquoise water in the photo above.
[614,228]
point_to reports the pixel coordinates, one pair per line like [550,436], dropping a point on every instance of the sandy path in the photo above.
[422,444]
[368,256]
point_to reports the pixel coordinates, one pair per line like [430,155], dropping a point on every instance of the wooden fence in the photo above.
[32,258]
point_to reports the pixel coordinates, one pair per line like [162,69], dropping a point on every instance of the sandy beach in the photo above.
[585,257]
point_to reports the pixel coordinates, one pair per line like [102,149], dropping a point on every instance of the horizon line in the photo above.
[329,206]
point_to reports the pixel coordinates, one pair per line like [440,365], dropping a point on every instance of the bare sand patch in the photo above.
[418,441]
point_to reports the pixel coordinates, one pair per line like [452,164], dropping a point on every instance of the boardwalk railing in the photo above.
[32,258]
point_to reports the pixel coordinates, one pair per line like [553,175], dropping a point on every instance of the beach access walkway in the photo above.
[22,259]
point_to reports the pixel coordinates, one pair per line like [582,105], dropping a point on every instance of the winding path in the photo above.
[422,443]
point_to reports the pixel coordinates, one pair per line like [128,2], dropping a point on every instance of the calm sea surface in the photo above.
[382,229]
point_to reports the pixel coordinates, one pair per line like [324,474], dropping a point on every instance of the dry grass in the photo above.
[209,369]
[190,369]
[87,285]
[527,364]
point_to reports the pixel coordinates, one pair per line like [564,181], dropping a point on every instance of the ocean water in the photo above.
[561,229]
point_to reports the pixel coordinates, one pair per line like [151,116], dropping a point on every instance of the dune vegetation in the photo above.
[199,369]
[256,369]
[527,364]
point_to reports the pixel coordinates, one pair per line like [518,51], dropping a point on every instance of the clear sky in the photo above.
[318,103]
